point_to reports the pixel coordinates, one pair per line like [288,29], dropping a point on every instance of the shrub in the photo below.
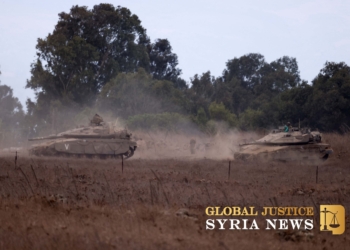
[218,112]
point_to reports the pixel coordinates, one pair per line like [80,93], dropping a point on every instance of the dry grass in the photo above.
[51,203]
[340,144]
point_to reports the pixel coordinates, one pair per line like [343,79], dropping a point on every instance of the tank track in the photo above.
[53,153]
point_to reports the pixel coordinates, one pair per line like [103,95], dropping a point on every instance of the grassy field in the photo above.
[56,203]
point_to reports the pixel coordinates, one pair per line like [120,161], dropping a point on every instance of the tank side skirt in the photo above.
[116,148]
[280,144]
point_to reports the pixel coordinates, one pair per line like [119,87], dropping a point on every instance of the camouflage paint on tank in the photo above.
[297,144]
[97,139]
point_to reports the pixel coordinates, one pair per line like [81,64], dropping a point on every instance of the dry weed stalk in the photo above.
[109,188]
[161,185]
[25,176]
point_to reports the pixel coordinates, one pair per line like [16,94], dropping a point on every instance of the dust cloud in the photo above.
[161,145]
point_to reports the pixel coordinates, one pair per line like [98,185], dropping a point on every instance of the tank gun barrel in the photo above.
[45,138]
[72,136]
[274,143]
[109,136]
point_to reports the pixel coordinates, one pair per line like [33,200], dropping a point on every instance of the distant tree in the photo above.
[293,105]
[201,93]
[202,86]
[233,95]
[163,63]
[280,75]
[329,106]
[11,116]
[246,69]
[131,94]
[289,66]
[251,82]
[87,49]
[11,111]
[251,119]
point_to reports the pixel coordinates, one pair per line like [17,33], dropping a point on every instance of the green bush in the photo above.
[201,118]
[218,112]
[251,119]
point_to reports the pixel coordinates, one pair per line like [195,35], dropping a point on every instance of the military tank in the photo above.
[98,139]
[296,144]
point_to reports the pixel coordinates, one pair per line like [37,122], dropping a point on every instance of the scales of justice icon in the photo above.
[334,222]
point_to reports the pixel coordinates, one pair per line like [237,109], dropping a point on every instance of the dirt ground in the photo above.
[57,203]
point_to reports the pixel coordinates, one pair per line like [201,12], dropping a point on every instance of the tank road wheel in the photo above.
[129,153]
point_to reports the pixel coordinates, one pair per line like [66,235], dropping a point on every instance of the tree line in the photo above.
[102,60]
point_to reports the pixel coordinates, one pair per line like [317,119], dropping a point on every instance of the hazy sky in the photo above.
[204,34]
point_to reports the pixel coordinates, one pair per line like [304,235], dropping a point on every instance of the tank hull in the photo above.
[313,152]
[85,147]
